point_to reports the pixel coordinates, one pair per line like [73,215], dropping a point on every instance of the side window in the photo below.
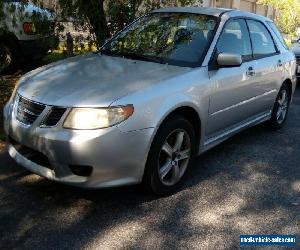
[235,39]
[262,42]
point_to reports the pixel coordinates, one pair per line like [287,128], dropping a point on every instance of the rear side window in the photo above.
[235,39]
[262,42]
[277,33]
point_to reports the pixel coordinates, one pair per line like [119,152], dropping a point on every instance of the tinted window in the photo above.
[175,38]
[262,41]
[235,39]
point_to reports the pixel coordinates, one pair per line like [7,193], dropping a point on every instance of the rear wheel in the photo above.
[281,107]
[9,57]
[6,57]
[170,156]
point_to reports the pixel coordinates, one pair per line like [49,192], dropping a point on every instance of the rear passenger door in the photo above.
[269,64]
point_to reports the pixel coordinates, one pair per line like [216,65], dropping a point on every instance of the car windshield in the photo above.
[174,38]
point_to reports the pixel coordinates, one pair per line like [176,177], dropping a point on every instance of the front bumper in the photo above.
[117,158]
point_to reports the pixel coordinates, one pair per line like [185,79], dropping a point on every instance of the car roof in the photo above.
[195,10]
[212,12]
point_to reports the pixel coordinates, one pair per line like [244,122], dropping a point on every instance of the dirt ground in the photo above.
[7,84]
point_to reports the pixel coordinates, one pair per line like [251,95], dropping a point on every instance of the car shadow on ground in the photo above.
[248,184]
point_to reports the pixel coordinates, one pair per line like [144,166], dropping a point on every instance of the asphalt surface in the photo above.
[249,184]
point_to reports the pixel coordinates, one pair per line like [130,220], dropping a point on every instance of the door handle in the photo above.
[279,64]
[250,71]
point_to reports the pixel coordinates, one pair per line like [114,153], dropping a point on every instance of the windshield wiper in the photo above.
[144,57]
[109,53]
[132,55]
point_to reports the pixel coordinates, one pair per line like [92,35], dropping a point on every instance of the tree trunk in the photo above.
[98,21]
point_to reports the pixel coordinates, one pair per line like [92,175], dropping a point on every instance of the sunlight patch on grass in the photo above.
[54,56]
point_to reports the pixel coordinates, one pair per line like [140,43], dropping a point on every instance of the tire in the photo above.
[9,60]
[171,154]
[281,108]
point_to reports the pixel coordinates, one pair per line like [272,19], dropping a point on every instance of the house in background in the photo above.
[245,5]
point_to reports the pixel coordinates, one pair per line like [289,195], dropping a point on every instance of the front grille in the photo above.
[28,111]
[54,116]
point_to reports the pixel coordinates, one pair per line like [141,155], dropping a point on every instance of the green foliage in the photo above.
[102,18]
[2,16]
[289,14]
[119,13]
[11,14]
[1,11]
[91,12]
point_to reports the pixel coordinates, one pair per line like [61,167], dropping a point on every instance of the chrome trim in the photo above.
[48,112]
[42,116]
[244,102]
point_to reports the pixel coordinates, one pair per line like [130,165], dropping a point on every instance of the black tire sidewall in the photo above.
[151,176]
[13,48]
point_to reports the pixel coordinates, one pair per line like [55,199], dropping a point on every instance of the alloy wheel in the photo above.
[174,157]
[283,103]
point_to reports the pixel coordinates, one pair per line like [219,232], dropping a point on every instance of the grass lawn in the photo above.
[56,55]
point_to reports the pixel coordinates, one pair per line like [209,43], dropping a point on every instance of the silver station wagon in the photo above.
[171,85]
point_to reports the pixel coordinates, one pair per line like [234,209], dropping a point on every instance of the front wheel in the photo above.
[281,107]
[170,156]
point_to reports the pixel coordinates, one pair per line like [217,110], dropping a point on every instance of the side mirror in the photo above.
[229,60]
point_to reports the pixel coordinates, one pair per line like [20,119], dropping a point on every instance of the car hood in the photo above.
[92,80]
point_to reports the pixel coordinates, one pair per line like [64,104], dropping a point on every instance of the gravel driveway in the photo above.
[248,185]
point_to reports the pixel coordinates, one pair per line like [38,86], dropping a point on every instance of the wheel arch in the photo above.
[8,37]
[187,111]
[9,40]
[289,83]
[191,114]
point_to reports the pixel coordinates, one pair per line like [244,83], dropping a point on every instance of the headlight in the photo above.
[96,118]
